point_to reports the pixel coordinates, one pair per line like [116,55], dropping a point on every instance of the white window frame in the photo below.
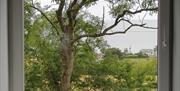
[3,46]
[14,46]
[11,45]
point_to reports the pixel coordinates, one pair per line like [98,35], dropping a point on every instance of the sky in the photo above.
[135,39]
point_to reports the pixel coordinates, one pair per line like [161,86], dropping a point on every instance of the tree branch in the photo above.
[105,33]
[137,11]
[113,25]
[102,25]
[141,26]
[43,14]
[117,20]
[59,14]
[72,4]
[150,27]
[74,8]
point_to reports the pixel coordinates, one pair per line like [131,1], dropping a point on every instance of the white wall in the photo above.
[3,47]
[176,64]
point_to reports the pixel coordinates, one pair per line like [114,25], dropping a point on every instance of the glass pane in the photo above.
[91,45]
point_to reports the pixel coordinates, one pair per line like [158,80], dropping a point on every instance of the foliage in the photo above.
[111,74]
[42,64]
[113,52]
[140,54]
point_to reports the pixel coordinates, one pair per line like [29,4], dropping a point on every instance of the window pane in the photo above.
[108,45]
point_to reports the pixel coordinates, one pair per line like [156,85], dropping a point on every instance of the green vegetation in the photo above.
[110,74]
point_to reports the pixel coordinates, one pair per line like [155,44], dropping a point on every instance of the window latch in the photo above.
[164,42]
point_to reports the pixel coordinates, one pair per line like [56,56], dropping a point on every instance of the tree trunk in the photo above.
[67,62]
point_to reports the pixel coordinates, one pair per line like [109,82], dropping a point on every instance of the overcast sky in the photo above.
[136,38]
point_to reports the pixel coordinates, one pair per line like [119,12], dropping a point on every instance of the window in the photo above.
[15,45]
[165,44]
[126,70]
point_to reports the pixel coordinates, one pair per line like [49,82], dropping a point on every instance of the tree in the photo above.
[141,55]
[113,53]
[71,25]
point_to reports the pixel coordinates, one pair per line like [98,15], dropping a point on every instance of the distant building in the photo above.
[149,52]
